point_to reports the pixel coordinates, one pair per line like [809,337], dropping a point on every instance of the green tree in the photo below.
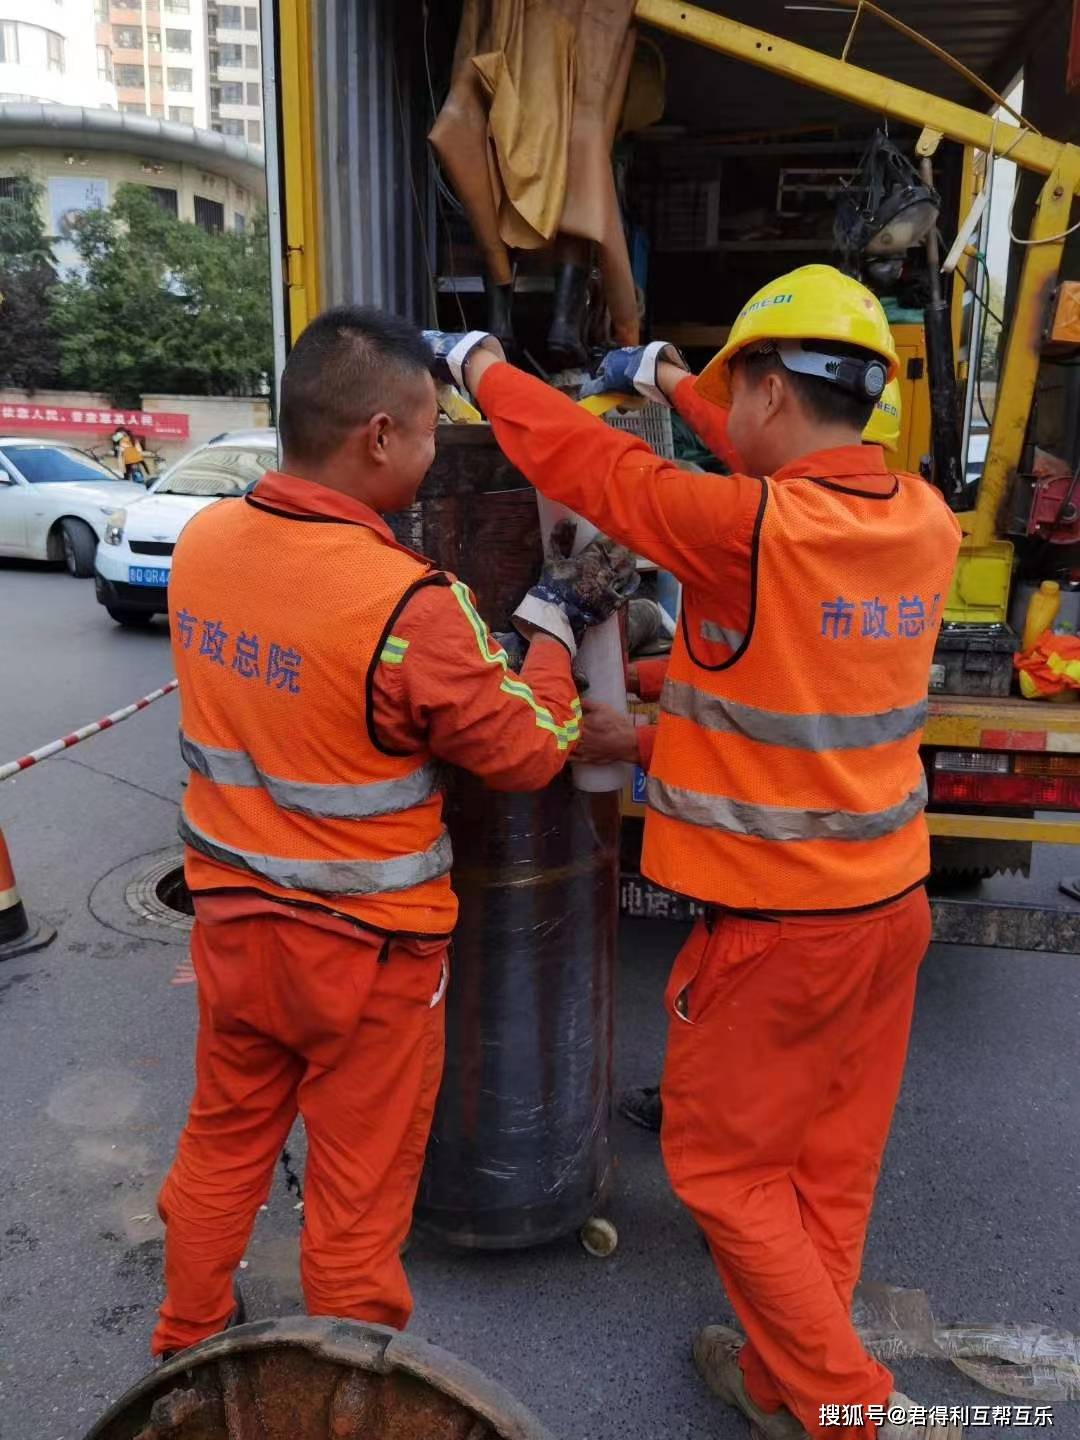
[28,352]
[991,340]
[163,306]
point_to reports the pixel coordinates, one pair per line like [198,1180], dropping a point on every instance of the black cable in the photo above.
[974,289]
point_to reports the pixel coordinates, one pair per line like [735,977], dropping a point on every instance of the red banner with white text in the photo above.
[153,424]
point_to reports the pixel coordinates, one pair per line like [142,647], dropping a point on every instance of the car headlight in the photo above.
[114,527]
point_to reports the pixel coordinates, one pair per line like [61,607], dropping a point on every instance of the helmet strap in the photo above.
[865,379]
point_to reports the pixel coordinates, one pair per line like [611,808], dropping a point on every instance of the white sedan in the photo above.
[135,556]
[54,501]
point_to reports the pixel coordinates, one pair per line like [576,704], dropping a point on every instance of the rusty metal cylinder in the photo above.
[519,1146]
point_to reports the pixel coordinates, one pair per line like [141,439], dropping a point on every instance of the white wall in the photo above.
[30,76]
[194,60]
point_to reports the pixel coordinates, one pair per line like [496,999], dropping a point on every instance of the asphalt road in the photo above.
[978,1204]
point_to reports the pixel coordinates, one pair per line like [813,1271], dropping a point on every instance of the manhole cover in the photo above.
[160,894]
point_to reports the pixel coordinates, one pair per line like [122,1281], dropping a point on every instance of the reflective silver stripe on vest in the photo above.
[794,732]
[721,635]
[775,822]
[328,877]
[325,802]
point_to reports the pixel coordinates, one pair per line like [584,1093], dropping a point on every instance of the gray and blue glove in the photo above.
[450,349]
[575,592]
[631,370]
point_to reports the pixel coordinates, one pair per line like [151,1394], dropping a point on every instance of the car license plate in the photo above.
[639,793]
[147,575]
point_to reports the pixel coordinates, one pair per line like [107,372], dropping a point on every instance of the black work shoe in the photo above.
[642,1106]
[238,1317]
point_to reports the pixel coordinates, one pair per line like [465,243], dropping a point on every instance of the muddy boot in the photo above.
[716,1355]
[564,339]
[642,1107]
[500,305]
[918,1426]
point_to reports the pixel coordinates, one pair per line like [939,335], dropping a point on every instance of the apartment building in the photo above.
[156,50]
[195,62]
[47,54]
[235,71]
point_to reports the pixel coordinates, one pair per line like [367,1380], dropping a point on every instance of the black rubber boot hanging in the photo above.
[500,304]
[565,338]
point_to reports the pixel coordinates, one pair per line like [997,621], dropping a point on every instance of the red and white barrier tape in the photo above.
[105,723]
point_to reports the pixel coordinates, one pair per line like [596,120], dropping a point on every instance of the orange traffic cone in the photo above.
[19,933]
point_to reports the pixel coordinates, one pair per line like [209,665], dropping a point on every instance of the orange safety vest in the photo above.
[786,774]
[277,628]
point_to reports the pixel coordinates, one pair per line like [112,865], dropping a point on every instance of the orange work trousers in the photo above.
[348,1030]
[786,1047]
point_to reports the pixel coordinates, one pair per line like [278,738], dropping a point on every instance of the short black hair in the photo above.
[350,363]
[825,400]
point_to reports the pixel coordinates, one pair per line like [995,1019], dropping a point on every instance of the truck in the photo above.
[761,135]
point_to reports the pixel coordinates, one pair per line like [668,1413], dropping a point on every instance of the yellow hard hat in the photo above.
[883,427]
[815,302]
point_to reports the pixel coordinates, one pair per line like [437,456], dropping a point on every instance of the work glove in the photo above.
[451,348]
[577,591]
[515,646]
[631,370]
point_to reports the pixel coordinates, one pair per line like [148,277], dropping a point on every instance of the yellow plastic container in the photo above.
[1042,611]
[979,594]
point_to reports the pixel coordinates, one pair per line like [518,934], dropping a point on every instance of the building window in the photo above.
[231,127]
[253,96]
[254,132]
[101,10]
[232,92]
[251,56]
[127,37]
[230,17]
[155,77]
[210,214]
[178,7]
[153,39]
[182,114]
[240,223]
[164,197]
[55,45]
[179,40]
[179,79]
[14,187]
[132,107]
[9,42]
[130,77]
[104,63]
[230,57]
[251,17]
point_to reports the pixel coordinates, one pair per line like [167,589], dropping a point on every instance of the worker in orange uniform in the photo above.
[786,794]
[324,671]
[610,736]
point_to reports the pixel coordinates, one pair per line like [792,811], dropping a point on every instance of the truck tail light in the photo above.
[1027,792]
[1047,765]
[972,762]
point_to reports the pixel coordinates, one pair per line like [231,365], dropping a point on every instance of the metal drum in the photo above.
[307,1379]
[519,1148]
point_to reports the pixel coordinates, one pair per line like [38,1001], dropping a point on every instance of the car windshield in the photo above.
[225,470]
[49,464]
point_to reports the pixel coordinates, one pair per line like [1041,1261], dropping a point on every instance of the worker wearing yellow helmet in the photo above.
[785,796]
